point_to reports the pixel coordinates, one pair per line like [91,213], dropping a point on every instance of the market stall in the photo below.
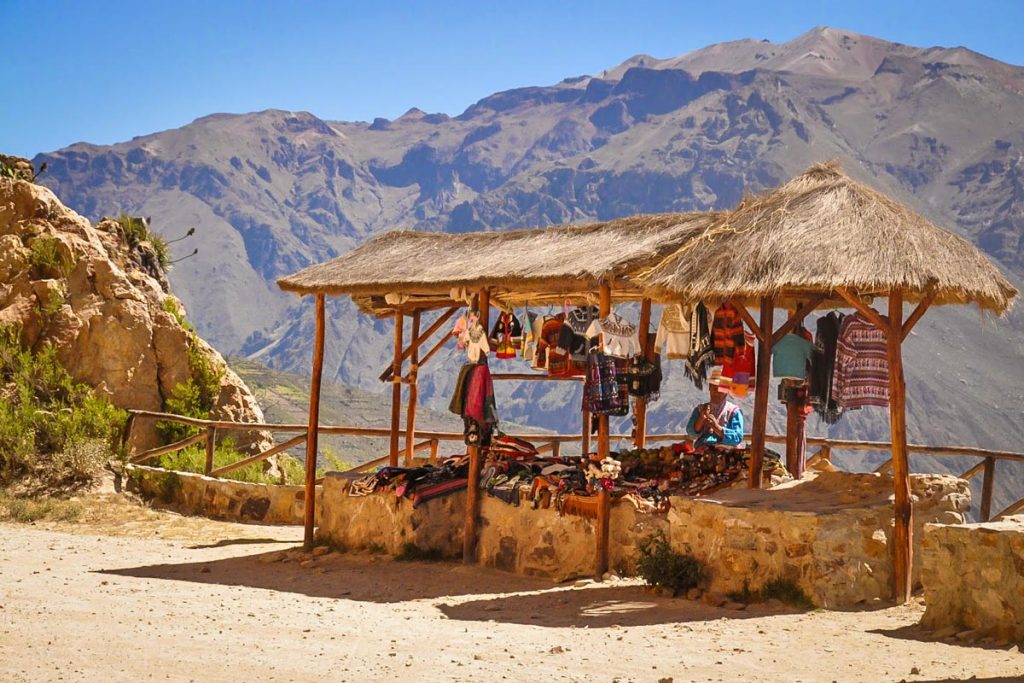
[822,238]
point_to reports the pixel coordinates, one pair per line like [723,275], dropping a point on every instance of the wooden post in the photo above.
[433,451]
[986,489]
[903,539]
[396,389]
[314,423]
[604,505]
[764,364]
[211,436]
[473,483]
[640,412]
[604,517]
[410,418]
[585,433]
[603,435]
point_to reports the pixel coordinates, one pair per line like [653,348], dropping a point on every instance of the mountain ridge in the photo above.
[274,191]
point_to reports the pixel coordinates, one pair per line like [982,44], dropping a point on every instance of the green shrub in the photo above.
[293,471]
[50,426]
[47,258]
[195,397]
[193,459]
[659,565]
[410,552]
[171,306]
[135,232]
[783,590]
[27,510]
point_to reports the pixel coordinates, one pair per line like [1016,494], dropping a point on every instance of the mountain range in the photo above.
[941,129]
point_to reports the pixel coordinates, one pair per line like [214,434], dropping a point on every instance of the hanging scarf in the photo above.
[702,354]
[823,365]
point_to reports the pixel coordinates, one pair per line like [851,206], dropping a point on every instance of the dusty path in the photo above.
[174,598]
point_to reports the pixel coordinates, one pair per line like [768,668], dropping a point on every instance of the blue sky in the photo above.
[105,71]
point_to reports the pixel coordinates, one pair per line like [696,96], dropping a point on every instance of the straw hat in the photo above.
[716,378]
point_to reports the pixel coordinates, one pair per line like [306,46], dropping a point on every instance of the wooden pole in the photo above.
[211,439]
[410,418]
[903,548]
[603,450]
[764,350]
[418,340]
[986,489]
[396,389]
[640,413]
[314,423]
[473,484]
[603,438]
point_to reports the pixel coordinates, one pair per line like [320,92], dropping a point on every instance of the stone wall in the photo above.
[828,532]
[222,498]
[973,577]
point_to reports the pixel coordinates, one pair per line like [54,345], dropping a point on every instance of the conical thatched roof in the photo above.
[562,259]
[822,231]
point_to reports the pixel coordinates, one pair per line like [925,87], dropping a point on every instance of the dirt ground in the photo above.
[128,593]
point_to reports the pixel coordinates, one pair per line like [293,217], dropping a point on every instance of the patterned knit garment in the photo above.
[861,375]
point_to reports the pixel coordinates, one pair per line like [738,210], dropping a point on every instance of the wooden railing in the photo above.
[546,443]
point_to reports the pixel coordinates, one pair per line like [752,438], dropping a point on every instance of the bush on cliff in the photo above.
[52,428]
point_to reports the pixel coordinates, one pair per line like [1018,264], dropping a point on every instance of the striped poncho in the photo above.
[861,375]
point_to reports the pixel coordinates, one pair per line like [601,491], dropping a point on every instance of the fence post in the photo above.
[211,436]
[986,488]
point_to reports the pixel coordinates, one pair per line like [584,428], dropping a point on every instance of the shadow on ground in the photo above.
[924,635]
[598,606]
[464,593]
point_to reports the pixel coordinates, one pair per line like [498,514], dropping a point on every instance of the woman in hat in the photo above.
[719,422]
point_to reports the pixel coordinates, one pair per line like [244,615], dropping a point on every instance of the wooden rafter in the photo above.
[918,312]
[871,314]
[419,339]
[755,329]
[797,318]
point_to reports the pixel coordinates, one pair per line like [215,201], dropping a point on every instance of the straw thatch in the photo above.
[822,231]
[562,259]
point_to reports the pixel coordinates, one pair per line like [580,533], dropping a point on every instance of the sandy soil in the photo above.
[130,593]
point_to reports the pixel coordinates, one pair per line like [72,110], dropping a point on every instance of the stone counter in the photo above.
[828,532]
[973,577]
[225,499]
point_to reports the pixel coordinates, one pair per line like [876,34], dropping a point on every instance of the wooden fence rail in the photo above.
[549,442]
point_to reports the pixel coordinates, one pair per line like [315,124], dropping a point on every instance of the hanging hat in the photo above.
[716,378]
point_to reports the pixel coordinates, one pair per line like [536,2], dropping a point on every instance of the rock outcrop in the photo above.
[104,304]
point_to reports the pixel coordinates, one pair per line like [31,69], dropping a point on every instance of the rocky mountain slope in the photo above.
[101,299]
[938,128]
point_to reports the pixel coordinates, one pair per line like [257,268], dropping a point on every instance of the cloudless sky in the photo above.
[104,71]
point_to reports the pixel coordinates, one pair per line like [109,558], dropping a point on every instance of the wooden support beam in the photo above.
[796,318]
[1012,509]
[755,329]
[604,514]
[973,472]
[917,313]
[418,339]
[313,432]
[903,532]
[473,485]
[871,314]
[211,438]
[126,433]
[885,466]
[604,309]
[290,443]
[437,347]
[433,451]
[410,417]
[764,351]
[640,409]
[396,388]
[986,489]
[169,448]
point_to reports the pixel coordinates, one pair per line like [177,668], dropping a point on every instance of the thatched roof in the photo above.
[822,231]
[552,260]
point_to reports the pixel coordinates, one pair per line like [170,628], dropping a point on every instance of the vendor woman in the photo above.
[718,422]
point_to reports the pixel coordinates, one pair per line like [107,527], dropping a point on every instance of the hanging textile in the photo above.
[473,400]
[548,356]
[506,335]
[861,376]
[702,356]
[531,333]
[619,336]
[742,372]
[645,378]
[673,336]
[605,391]
[474,340]
[823,363]
[572,340]
[727,334]
[791,356]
